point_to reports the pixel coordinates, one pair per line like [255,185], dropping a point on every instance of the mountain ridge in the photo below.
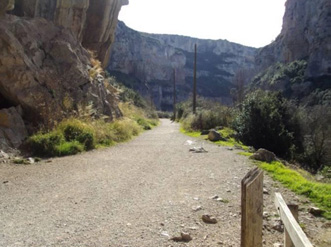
[152,58]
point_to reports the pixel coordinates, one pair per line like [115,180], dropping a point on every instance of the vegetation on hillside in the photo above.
[85,132]
[268,120]
[297,181]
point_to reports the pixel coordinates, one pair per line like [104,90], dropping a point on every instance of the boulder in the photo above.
[12,128]
[264,155]
[214,136]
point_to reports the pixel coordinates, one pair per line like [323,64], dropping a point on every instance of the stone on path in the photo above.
[184,237]
[209,219]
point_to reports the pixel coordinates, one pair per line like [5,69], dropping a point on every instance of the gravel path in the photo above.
[135,194]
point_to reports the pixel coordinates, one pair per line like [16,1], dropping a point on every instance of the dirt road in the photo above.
[135,194]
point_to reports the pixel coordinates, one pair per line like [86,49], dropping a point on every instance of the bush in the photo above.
[45,144]
[69,148]
[265,122]
[124,129]
[144,123]
[209,115]
[72,136]
[75,130]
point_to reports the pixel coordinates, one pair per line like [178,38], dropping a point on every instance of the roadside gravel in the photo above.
[135,194]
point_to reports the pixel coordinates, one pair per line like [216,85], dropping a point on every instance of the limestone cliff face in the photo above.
[306,35]
[92,22]
[150,61]
[44,69]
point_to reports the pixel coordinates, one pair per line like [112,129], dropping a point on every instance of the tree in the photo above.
[265,122]
[315,123]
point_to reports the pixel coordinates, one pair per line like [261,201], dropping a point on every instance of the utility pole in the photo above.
[195,80]
[174,95]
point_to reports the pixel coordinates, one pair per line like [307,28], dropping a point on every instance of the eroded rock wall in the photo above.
[92,22]
[45,70]
[306,35]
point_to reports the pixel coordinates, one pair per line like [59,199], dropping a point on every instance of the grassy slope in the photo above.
[296,180]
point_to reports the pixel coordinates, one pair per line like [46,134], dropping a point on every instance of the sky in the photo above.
[253,23]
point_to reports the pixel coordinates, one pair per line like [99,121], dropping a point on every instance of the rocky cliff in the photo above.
[45,72]
[147,62]
[92,22]
[305,36]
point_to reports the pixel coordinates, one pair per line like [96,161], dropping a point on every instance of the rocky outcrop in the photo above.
[45,70]
[100,27]
[91,22]
[69,14]
[306,35]
[148,61]
[12,128]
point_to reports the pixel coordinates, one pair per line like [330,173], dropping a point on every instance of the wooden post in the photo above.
[195,80]
[298,237]
[295,212]
[252,209]
[174,95]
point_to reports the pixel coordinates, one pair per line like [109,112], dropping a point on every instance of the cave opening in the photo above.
[5,103]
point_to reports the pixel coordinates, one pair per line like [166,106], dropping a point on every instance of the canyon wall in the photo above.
[92,22]
[147,62]
[305,35]
[46,73]
[298,62]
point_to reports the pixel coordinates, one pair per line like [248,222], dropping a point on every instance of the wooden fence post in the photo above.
[298,237]
[295,212]
[252,209]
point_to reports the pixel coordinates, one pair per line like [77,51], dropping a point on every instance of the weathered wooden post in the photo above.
[252,208]
[195,80]
[294,208]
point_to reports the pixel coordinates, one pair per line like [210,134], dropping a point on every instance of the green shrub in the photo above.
[75,130]
[209,115]
[69,148]
[144,123]
[124,129]
[45,144]
[265,122]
